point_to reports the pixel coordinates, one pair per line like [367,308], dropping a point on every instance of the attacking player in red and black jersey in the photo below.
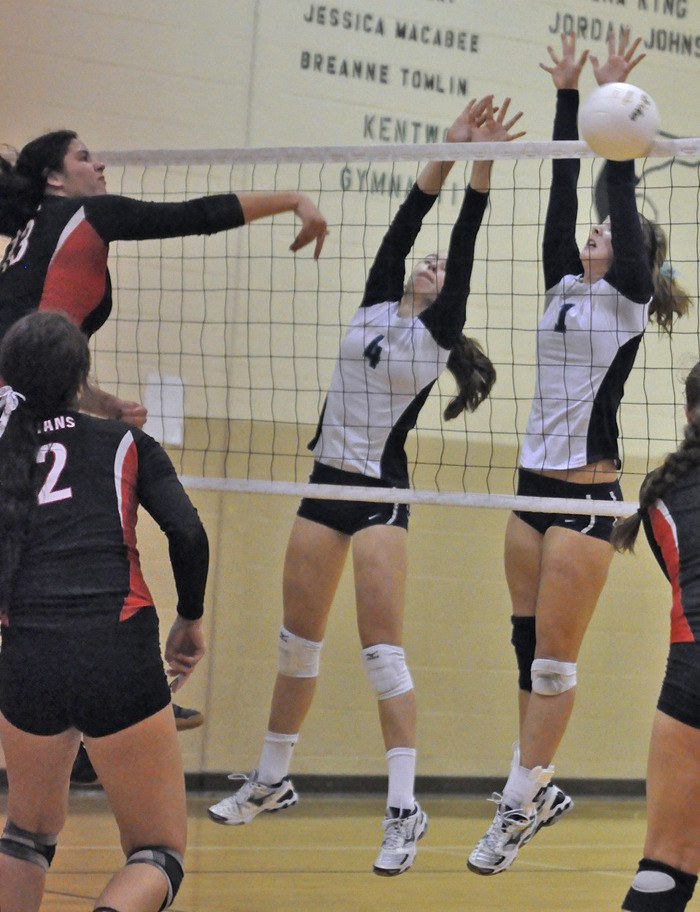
[55,206]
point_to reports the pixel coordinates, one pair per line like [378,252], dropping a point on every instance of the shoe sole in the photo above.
[186,724]
[484,872]
[394,872]
[217,818]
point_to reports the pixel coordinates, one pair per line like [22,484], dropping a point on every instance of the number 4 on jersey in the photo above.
[373,352]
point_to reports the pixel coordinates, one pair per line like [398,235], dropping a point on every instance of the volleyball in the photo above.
[619,121]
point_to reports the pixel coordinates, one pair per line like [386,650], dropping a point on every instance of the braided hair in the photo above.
[674,467]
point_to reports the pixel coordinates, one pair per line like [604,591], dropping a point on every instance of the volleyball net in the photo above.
[230,340]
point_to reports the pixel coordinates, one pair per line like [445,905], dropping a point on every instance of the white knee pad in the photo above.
[550,677]
[297,657]
[386,669]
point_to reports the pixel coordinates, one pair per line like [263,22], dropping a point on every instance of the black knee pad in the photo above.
[524,640]
[36,848]
[651,894]
[168,861]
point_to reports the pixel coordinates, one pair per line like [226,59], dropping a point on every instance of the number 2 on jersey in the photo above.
[49,493]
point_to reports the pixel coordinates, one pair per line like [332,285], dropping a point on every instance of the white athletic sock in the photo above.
[523,783]
[401,762]
[276,757]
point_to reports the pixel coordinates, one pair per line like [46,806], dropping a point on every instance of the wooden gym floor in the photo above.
[317,857]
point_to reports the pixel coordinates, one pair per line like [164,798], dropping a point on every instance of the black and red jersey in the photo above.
[58,261]
[673,531]
[80,564]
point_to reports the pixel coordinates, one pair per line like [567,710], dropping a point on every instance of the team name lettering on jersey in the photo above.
[57,424]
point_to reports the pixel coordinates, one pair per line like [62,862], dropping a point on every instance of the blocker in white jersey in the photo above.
[599,298]
[402,338]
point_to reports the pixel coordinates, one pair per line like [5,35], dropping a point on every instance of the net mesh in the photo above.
[231,339]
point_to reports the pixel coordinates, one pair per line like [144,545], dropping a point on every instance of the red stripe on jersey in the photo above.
[665,534]
[76,278]
[126,473]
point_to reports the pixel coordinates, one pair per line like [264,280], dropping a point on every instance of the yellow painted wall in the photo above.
[224,73]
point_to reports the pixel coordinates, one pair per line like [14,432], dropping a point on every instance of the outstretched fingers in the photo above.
[621,58]
[566,68]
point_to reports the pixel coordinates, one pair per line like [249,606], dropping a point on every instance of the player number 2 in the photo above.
[49,493]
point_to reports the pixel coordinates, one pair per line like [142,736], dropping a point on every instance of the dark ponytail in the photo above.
[670,300]
[23,177]
[475,375]
[44,359]
[674,467]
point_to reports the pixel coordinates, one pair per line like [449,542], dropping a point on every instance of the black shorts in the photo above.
[350,516]
[100,680]
[680,691]
[532,484]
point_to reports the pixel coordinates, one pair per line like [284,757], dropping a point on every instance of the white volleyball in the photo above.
[619,121]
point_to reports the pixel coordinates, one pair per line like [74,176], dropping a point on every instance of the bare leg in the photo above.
[141,771]
[673,795]
[312,569]
[522,562]
[380,565]
[568,580]
[38,770]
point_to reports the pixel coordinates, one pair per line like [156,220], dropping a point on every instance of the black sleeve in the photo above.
[162,495]
[386,277]
[119,218]
[446,316]
[654,545]
[630,272]
[560,255]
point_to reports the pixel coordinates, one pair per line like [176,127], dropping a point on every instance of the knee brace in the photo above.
[550,677]
[297,657]
[36,848]
[657,887]
[168,862]
[523,640]
[386,669]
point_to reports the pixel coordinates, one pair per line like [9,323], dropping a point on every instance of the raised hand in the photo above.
[566,69]
[620,62]
[494,127]
[480,121]
[472,117]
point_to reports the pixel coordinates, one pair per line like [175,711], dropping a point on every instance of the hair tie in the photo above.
[668,272]
[9,400]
